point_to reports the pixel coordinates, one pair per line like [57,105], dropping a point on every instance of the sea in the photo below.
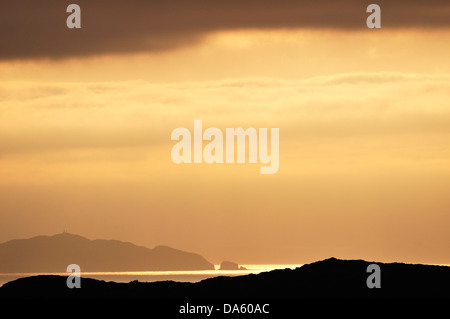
[152,276]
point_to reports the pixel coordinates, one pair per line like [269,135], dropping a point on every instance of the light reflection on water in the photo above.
[151,276]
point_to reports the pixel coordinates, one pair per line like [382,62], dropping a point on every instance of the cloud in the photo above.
[124,115]
[37,29]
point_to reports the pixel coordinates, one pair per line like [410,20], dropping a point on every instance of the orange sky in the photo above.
[364,120]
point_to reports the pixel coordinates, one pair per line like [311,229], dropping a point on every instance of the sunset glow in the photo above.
[364,124]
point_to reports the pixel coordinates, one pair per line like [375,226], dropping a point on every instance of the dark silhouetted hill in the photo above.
[330,278]
[55,253]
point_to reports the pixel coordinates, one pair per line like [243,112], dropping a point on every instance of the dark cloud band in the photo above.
[37,29]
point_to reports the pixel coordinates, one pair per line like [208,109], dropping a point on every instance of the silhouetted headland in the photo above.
[52,254]
[330,278]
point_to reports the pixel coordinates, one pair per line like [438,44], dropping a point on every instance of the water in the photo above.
[152,276]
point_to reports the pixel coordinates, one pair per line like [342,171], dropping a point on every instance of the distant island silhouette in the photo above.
[229,265]
[330,279]
[50,254]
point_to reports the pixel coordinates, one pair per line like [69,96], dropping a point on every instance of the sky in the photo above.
[86,117]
